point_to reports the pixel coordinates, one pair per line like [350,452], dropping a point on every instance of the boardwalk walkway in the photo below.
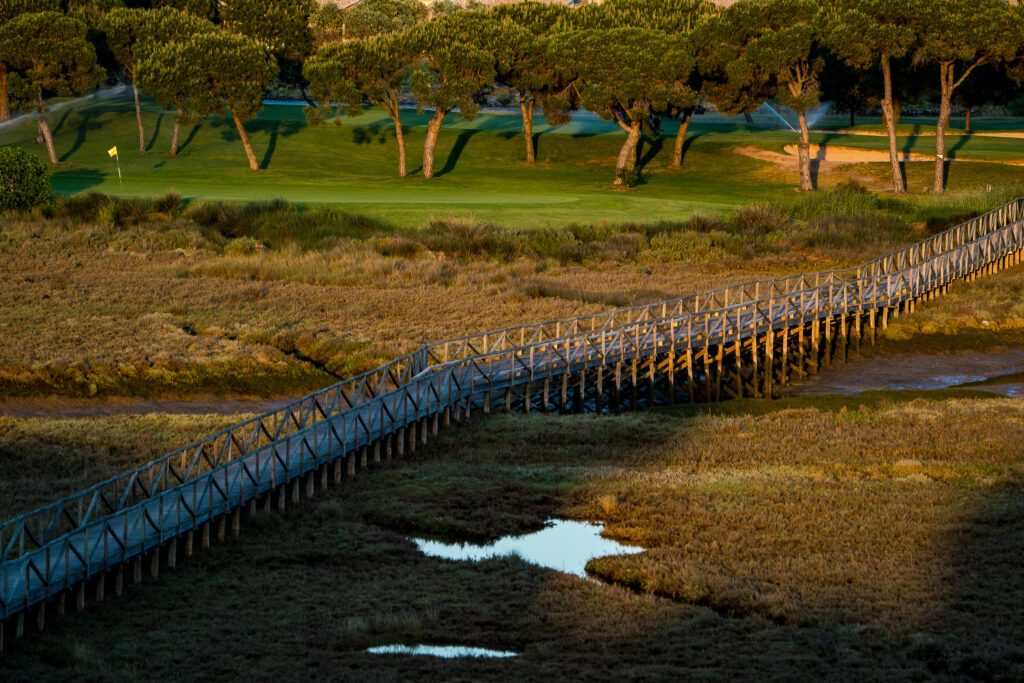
[734,342]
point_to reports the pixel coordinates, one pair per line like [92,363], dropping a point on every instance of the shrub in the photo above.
[761,219]
[23,182]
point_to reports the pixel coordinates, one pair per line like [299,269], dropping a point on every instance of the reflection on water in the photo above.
[446,651]
[562,545]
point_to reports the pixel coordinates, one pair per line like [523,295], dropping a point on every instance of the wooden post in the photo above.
[755,384]
[61,605]
[236,521]
[376,450]
[814,363]
[689,373]
[136,573]
[739,366]
[784,377]
[872,319]
[583,390]
[19,626]
[400,442]
[828,342]
[323,477]
[388,439]
[858,333]
[844,338]
[118,580]
[600,389]
[295,500]
[801,361]
[282,498]
[154,563]
[337,468]
[708,394]
[350,465]
[718,369]
[188,539]
[309,484]
[172,553]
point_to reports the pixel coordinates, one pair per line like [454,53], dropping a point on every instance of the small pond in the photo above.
[562,545]
[446,651]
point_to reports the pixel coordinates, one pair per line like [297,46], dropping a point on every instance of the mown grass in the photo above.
[482,176]
[869,539]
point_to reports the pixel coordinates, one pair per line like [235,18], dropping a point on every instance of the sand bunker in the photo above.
[830,157]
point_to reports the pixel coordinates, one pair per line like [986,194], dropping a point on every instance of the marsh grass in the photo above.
[159,297]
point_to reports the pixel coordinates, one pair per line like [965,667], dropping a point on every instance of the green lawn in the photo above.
[480,164]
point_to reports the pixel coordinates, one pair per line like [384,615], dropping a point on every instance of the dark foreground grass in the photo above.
[869,538]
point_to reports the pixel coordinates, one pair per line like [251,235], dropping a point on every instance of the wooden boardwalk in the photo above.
[734,342]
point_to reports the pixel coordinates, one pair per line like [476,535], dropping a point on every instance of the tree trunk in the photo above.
[400,136]
[253,164]
[889,114]
[945,109]
[44,130]
[748,118]
[5,101]
[967,121]
[684,126]
[433,130]
[138,119]
[806,184]
[526,107]
[627,153]
[898,108]
[173,151]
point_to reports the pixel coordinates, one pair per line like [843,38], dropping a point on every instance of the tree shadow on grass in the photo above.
[188,140]
[77,180]
[156,131]
[456,152]
[88,123]
[60,124]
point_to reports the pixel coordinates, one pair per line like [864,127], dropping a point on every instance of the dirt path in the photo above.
[57,406]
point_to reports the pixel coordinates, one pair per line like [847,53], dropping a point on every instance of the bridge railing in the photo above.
[36,528]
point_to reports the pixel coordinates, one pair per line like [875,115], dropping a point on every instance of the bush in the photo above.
[23,182]
[761,219]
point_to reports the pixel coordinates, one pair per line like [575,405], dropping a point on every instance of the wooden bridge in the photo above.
[733,342]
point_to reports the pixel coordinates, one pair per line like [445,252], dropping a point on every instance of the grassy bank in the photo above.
[873,537]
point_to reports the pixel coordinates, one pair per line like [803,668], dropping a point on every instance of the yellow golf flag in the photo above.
[112,151]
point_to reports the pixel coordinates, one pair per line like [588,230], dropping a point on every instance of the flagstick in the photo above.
[120,182]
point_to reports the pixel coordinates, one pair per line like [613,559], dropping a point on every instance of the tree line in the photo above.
[632,62]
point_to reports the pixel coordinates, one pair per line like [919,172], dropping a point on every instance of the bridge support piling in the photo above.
[80,597]
[282,499]
[19,626]
[827,355]
[222,523]
[351,465]
[739,367]
[310,481]
[400,442]
[41,617]
[801,342]
[62,600]
[436,427]
[295,492]
[236,526]
[154,563]
[784,377]
[815,346]
[118,582]
[136,573]
[172,554]
[689,374]
[204,542]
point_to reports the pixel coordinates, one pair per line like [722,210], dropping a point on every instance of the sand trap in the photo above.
[830,157]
